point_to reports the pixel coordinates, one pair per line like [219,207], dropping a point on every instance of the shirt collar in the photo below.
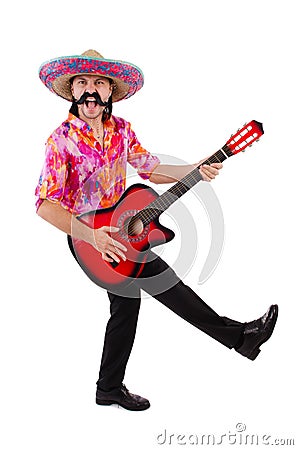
[109,124]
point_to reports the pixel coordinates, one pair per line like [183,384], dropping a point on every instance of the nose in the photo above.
[90,86]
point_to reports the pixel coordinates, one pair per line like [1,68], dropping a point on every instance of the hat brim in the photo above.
[56,75]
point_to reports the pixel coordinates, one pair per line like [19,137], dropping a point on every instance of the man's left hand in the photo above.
[210,172]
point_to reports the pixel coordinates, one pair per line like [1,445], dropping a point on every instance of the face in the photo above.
[91,83]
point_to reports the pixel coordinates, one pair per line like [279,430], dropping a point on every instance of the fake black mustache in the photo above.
[95,95]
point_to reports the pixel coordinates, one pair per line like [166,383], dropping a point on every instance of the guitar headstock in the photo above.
[245,137]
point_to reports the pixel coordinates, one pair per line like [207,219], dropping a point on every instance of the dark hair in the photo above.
[107,112]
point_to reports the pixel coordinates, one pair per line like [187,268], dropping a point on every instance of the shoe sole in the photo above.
[109,403]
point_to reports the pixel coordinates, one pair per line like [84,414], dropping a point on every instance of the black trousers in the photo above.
[124,309]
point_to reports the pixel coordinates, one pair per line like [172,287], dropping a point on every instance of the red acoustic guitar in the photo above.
[136,214]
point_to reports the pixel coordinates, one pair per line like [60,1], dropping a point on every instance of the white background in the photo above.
[209,67]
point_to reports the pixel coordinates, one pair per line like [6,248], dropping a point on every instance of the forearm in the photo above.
[165,173]
[62,219]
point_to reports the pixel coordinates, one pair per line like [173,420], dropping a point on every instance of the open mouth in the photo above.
[91,103]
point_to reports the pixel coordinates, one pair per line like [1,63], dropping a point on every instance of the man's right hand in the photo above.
[109,248]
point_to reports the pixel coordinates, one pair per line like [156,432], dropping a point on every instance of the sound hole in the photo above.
[133,226]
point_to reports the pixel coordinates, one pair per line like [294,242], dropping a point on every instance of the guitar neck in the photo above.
[158,206]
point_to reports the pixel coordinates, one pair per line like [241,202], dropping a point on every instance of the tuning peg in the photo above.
[257,140]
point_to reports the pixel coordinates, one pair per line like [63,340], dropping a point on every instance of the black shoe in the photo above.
[122,397]
[257,333]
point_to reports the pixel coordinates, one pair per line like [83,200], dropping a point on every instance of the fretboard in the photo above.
[164,201]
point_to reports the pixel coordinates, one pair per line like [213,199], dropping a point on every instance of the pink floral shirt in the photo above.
[81,175]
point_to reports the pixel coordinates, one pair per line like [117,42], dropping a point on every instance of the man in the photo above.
[85,170]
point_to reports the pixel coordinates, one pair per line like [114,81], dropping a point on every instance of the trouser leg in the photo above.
[160,281]
[119,338]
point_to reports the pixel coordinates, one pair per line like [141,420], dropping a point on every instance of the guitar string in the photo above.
[159,205]
[166,199]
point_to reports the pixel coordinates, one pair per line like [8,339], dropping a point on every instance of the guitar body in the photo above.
[137,238]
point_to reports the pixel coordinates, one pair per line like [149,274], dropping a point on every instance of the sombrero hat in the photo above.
[56,74]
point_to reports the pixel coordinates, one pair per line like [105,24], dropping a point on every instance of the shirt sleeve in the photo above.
[139,158]
[52,180]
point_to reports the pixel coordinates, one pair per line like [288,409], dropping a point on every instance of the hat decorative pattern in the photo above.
[130,76]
